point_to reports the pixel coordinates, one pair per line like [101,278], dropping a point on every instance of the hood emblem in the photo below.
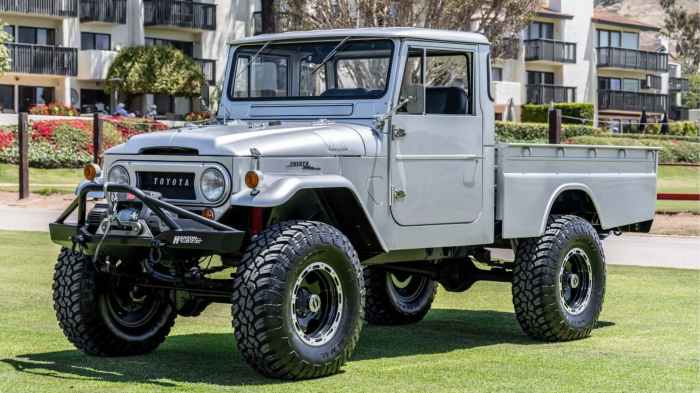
[302,165]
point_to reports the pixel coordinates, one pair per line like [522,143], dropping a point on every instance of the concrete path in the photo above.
[629,249]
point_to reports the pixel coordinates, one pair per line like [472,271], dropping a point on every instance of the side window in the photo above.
[448,82]
[412,85]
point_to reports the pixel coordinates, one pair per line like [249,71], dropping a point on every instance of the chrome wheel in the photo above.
[317,304]
[575,281]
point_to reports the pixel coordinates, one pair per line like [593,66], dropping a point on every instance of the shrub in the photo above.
[53,109]
[528,132]
[197,116]
[538,113]
[130,126]
[671,150]
[656,137]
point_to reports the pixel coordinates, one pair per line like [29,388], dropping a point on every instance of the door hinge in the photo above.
[398,132]
[398,194]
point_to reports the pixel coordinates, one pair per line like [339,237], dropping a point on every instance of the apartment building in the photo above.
[62,49]
[572,53]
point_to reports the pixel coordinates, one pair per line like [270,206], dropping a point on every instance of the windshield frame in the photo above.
[233,70]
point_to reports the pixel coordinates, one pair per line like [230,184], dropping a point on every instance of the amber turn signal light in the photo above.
[252,179]
[208,213]
[91,171]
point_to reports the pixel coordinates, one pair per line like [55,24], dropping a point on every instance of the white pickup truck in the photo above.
[349,172]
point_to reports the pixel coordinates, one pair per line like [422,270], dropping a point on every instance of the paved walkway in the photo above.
[629,249]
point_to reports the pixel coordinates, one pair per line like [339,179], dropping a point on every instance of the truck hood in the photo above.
[238,140]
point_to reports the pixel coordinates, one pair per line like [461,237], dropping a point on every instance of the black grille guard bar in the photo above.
[157,206]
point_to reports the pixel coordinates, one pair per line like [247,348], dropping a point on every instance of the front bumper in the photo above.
[186,235]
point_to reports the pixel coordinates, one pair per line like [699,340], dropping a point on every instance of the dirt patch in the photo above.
[55,201]
[676,224]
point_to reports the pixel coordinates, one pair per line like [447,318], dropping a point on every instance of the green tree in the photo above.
[691,99]
[155,70]
[5,61]
[683,27]
[498,20]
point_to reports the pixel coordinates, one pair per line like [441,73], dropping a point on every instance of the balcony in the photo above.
[53,8]
[632,101]
[550,50]
[179,13]
[42,59]
[544,94]
[107,11]
[208,69]
[678,84]
[632,59]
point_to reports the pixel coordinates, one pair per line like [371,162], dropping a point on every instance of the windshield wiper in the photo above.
[252,60]
[330,54]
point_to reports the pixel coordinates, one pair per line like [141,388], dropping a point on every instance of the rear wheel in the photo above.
[108,316]
[397,298]
[298,300]
[559,281]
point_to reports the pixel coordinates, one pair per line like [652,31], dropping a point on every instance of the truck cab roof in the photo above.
[384,32]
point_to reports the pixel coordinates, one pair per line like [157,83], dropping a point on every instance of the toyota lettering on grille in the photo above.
[167,181]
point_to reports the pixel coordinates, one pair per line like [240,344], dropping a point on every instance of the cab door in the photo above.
[436,149]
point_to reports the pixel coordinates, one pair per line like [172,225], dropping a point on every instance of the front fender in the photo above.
[276,190]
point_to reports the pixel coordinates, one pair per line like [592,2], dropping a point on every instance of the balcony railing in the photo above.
[678,84]
[179,13]
[42,59]
[109,11]
[632,101]
[544,94]
[679,113]
[550,50]
[632,58]
[58,8]
[208,69]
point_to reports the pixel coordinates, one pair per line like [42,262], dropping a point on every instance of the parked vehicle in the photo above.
[351,172]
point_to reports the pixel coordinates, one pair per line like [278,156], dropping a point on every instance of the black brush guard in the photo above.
[190,234]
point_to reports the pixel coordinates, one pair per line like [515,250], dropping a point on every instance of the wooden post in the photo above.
[97,126]
[23,144]
[267,16]
[555,126]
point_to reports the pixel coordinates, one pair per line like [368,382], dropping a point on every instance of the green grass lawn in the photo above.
[681,180]
[648,341]
[43,181]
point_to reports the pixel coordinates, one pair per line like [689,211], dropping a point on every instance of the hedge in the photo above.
[671,150]
[68,143]
[531,132]
[538,113]
[680,128]
[657,137]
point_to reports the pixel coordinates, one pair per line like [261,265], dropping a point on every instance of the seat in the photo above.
[446,100]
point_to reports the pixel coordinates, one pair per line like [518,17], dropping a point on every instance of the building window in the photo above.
[617,84]
[7,98]
[538,30]
[95,41]
[36,36]
[652,82]
[34,95]
[607,38]
[630,40]
[184,46]
[93,100]
[540,78]
[496,74]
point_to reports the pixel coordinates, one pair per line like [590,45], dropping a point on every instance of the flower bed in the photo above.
[53,109]
[68,143]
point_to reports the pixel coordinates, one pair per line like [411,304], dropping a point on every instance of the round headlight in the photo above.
[119,175]
[212,184]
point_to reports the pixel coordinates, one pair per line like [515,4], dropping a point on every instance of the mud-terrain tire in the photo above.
[289,322]
[86,312]
[559,281]
[397,298]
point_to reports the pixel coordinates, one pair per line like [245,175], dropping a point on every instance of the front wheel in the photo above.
[397,298]
[298,301]
[559,281]
[107,316]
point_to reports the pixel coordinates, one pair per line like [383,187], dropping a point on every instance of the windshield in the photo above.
[356,70]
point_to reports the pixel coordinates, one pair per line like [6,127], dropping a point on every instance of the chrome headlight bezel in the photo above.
[113,173]
[220,188]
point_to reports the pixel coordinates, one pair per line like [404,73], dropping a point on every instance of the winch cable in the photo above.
[111,218]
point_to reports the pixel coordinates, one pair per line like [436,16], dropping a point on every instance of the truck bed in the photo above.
[620,181]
